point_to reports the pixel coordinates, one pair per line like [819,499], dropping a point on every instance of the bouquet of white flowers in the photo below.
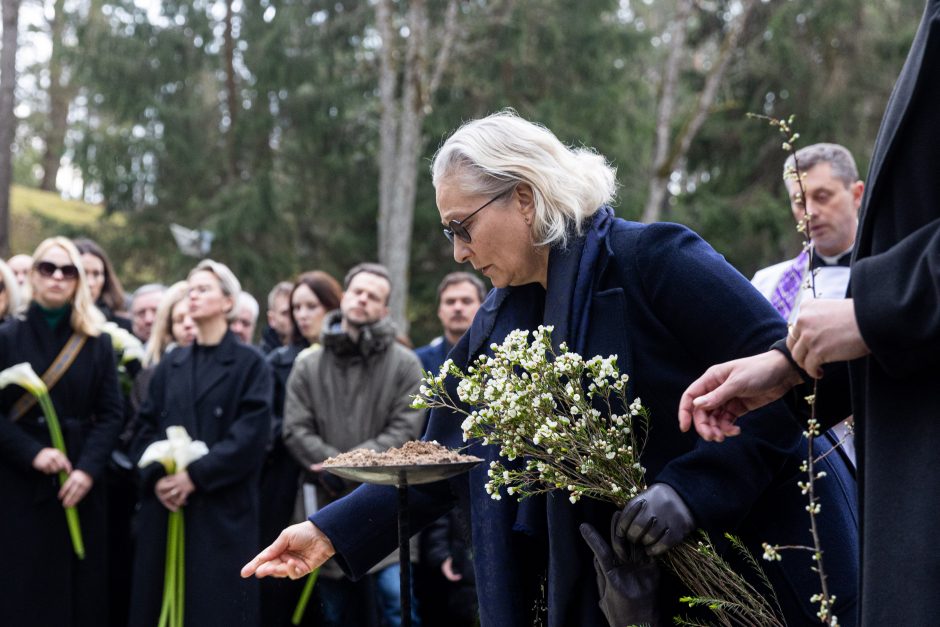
[570,420]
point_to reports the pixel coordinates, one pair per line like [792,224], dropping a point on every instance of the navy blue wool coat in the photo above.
[668,306]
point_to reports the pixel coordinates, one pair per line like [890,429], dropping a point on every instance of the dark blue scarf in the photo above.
[549,522]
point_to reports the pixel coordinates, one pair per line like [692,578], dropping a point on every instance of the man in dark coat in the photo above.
[658,297]
[888,332]
[225,401]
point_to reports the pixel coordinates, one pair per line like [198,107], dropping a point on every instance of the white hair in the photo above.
[247,300]
[491,155]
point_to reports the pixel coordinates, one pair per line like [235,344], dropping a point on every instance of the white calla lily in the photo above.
[176,453]
[24,376]
[124,342]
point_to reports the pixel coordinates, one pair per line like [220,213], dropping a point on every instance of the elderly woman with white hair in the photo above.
[44,583]
[533,216]
[219,390]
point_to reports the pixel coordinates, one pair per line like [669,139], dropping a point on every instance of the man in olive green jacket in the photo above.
[353,391]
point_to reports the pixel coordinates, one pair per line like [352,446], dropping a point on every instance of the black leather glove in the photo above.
[627,589]
[656,519]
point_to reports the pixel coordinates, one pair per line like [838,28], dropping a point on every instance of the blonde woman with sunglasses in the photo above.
[47,585]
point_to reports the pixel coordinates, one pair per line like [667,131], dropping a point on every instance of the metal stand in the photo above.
[401,476]
[404,550]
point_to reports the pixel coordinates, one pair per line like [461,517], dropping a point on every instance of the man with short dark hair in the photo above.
[353,391]
[459,295]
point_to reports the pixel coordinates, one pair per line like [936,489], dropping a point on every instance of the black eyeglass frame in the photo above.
[48,269]
[456,227]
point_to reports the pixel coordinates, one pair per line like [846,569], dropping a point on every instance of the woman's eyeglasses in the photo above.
[47,269]
[456,227]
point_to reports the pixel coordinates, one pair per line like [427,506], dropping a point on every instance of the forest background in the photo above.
[300,131]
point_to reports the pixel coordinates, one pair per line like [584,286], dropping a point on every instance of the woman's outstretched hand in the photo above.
[725,392]
[297,551]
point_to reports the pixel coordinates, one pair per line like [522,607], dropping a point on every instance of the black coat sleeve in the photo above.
[107,409]
[897,302]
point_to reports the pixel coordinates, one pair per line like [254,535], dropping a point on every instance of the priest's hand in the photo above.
[825,331]
[725,392]
[297,551]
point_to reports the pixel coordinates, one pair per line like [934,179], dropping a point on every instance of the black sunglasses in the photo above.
[456,227]
[3,287]
[47,268]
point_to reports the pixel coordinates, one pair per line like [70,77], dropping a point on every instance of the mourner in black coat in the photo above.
[43,583]
[222,395]
[886,337]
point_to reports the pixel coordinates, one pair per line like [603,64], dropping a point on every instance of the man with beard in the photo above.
[353,391]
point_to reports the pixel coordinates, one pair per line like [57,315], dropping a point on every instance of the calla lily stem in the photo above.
[58,441]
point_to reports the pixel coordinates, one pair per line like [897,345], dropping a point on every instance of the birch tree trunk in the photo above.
[11,10]
[669,151]
[407,82]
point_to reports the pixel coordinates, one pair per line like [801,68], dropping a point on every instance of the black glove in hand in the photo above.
[627,589]
[657,519]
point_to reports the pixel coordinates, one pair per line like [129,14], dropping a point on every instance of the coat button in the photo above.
[218,412]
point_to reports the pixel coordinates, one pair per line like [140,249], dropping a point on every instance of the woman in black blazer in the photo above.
[219,390]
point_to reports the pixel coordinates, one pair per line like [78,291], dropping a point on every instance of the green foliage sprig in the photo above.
[571,422]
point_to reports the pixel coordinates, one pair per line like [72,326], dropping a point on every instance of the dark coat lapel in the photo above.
[217,369]
[181,378]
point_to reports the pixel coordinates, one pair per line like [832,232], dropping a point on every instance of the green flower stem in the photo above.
[168,614]
[304,597]
[180,568]
[58,441]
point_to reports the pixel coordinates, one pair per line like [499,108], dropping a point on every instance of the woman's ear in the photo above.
[526,200]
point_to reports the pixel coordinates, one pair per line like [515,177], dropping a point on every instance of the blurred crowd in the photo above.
[272,393]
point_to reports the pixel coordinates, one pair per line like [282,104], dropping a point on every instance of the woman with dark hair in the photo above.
[314,295]
[219,390]
[106,290]
[45,583]
[533,215]
[108,296]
